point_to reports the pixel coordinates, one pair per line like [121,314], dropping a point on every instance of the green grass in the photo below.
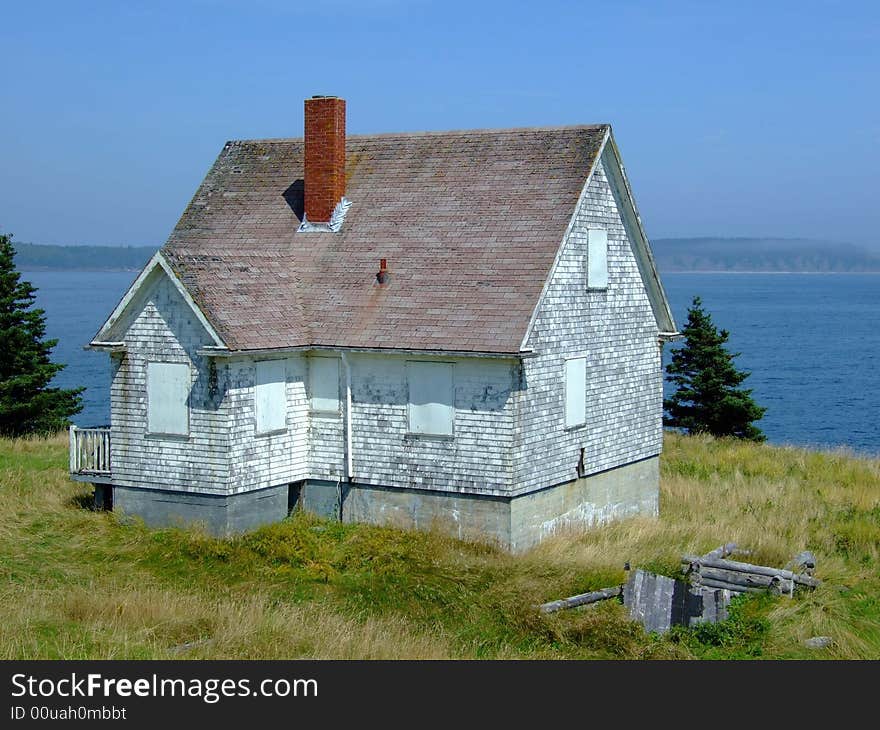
[75,583]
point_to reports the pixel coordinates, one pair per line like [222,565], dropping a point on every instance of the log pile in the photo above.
[659,602]
[712,571]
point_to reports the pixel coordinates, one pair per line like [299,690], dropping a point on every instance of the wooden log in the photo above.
[711,583]
[804,563]
[737,578]
[582,599]
[734,590]
[715,577]
[722,551]
[697,563]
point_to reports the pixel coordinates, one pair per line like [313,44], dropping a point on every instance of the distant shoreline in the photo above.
[47,270]
[663,272]
[758,271]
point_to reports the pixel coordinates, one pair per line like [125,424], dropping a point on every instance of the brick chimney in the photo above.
[324,156]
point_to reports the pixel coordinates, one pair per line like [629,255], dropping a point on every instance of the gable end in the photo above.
[100,340]
[610,156]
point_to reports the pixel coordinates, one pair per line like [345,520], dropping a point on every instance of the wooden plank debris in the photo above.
[710,604]
[657,601]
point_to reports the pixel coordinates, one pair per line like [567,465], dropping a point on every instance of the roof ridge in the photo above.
[441,132]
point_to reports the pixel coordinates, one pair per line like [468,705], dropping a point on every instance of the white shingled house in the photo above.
[453,330]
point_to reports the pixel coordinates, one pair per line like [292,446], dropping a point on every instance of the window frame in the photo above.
[149,430]
[565,388]
[410,433]
[324,412]
[282,363]
[592,285]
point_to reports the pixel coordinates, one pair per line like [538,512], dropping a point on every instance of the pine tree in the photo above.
[707,398]
[27,404]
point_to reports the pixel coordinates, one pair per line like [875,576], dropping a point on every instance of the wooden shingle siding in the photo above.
[477,458]
[617,332]
[161,327]
[261,460]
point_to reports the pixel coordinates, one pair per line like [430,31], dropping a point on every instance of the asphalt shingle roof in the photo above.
[469,222]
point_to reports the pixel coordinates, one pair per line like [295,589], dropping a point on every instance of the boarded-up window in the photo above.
[271,396]
[597,259]
[168,386]
[324,384]
[430,398]
[575,392]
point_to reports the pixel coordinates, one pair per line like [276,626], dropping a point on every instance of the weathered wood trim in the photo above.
[309,349]
[72,452]
[90,451]
[617,178]
[110,347]
[349,456]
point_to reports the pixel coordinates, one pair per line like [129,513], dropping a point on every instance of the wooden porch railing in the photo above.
[90,450]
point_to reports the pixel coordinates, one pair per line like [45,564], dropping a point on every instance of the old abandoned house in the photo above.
[459,330]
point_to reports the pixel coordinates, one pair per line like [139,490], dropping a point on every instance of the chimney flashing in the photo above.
[334,225]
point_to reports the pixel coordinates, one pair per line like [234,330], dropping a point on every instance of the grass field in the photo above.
[75,583]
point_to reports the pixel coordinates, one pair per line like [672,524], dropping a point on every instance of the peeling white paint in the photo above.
[589,514]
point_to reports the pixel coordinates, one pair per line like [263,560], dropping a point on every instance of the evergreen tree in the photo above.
[707,398]
[27,404]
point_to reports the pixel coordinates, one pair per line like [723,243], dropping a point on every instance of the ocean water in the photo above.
[77,303]
[810,341]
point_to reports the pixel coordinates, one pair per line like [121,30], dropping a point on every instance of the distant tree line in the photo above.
[671,254]
[92,258]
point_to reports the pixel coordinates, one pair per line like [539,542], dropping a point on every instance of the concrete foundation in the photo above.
[322,498]
[218,514]
[633,489]
[513,523]
[465,516]
[517,523]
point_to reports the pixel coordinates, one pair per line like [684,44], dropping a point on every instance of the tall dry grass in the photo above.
[116,620]
[75,583]
[774,502]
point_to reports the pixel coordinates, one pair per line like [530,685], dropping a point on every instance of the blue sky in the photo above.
[736,119]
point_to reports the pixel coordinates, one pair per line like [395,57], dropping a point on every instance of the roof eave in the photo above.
[408,352]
